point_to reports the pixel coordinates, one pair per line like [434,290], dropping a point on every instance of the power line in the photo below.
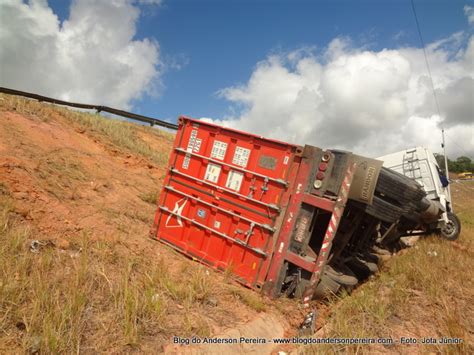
[434,93]
[426,58]
[431,77]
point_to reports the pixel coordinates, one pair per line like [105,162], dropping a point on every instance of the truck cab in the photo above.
[420,164]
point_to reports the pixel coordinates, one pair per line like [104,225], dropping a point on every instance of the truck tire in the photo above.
[452,229]
[360,270]
[370,257]
[341,276]
[398,187]
[384,210]
[381,209]
[326,287]
[346,270]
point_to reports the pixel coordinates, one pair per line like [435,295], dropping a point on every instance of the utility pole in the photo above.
[448,188]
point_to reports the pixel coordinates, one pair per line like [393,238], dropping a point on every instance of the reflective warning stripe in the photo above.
[330,233]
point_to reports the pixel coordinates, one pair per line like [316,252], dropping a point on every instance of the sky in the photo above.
[335,74]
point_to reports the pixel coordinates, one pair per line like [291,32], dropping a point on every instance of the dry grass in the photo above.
[108,290]
[149,197]
[4,189]
[61,174]
[50,300]
[117,132]
[426,291]
[254,300]
[93,298]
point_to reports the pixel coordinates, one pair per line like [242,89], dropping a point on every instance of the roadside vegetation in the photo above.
[103,285]
[119,133]
[460,165]
[424,291]
[149,197]
[93,297]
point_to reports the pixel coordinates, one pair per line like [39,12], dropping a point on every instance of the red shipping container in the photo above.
[266,211]
[224,197]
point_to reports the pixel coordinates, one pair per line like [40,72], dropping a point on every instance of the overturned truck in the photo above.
[282,218]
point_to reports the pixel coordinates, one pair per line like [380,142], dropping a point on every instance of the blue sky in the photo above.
[341,74]
[218,43]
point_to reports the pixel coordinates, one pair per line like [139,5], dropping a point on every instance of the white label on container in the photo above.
[218,150]
[197,145]
[241,157]
[177,210]
[212,173]
[186,160]
[217,224]
[192,140]
[234,180]
[285,161]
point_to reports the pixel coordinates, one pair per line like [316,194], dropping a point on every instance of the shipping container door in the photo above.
[222,196]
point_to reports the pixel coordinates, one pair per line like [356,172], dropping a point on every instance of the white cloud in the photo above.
[93,56]
[150,2]
[469,12]
[369,102]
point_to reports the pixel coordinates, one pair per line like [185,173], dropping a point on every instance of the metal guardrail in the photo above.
[150,120]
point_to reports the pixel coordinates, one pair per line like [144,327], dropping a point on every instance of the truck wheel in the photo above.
[360,270]
[346,270]
[381,209]
[452,229]
[342,275]
[326,287]
[398,187]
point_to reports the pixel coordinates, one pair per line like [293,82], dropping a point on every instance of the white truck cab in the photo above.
[420,164]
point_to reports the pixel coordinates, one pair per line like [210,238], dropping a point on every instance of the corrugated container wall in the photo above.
[223,195]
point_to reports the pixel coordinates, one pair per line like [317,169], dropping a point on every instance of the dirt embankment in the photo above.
[85,185]
[65,181]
